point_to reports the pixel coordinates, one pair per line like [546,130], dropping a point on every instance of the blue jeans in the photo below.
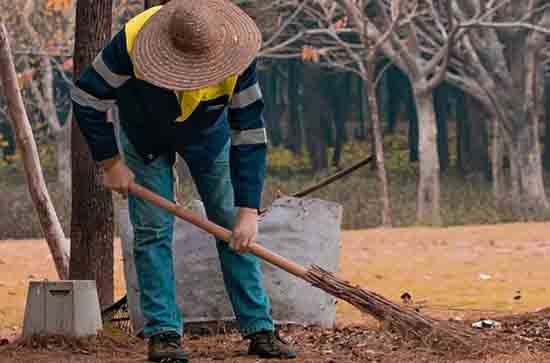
[153,234]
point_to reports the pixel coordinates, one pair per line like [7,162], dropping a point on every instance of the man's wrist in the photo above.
[244,210]
[107,164]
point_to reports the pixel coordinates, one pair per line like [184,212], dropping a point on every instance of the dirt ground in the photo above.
[461,273]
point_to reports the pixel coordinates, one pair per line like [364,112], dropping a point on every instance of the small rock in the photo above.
[483,276]
[486,324]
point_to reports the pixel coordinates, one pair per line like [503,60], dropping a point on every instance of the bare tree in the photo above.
[376,26]
[58,244]
[501,54]
[92,228]
[34,19]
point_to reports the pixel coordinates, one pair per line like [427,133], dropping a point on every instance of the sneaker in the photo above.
[268,344]
[166,348]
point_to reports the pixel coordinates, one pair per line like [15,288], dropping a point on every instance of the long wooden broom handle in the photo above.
[217,231]
[331,179]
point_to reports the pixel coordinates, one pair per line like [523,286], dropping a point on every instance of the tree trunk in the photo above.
[92,205]
[497,158]
[294,119]
[528,160]
[363,109]
[272,117]
[462,133]
[428,186]
[396,86]
[58,244]
[514,179]
[546,157]
[60,129]
[63,158]
[340,111]
[478,156]
[317,113]
[340,136]
[384,92]
[441,96]
[370,93]
[412,116]
[520,114]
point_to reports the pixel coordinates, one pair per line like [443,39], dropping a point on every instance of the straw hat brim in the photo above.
[159,62]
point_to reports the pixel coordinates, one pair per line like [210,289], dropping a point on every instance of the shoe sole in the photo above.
[168,360]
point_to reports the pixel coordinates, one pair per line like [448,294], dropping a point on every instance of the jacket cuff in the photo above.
[248,198]
[105,150]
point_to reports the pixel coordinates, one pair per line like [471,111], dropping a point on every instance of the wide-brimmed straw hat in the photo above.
[191,44]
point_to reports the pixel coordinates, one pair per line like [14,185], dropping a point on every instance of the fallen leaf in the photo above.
[406,298]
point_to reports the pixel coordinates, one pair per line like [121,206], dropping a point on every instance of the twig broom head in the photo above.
[404,320]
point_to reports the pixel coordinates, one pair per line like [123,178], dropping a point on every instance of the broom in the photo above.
[404,320]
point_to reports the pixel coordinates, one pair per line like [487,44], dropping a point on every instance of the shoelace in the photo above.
[171,360]
[172,344]
[274,338]
[171,341]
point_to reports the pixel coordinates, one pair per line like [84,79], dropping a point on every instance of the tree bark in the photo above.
[58,244]
[546,155]
[363,109]
[61,130]
[441,96]
[92,206]
[428,210]
[384,94]
[518,107]
[63,158]
[497,158]
[412,116]
[370,93]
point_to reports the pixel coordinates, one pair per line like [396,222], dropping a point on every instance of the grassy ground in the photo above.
[460,272]
[452,272]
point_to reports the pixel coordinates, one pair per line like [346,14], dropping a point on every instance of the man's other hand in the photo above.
[117,176]
[245,231]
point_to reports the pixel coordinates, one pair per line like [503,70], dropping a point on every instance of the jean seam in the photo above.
[257,327]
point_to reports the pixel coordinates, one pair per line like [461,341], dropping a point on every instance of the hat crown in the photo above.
[193,27]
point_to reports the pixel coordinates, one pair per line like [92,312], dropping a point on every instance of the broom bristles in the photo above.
[404,320]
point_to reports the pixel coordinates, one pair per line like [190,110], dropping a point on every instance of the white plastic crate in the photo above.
[69,307]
